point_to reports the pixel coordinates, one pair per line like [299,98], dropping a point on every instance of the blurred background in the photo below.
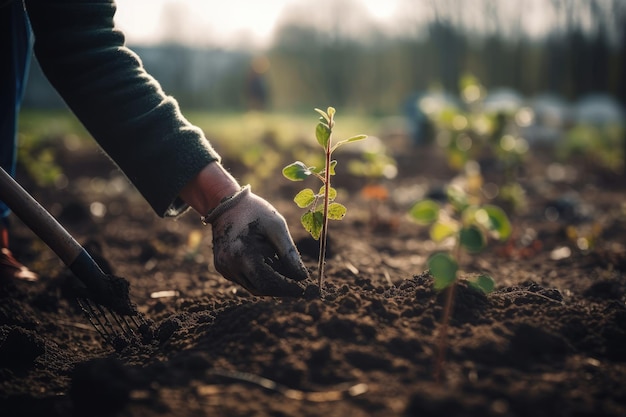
[518,103]
[370,55]
[410,68]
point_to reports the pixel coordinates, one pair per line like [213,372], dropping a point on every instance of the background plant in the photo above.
[377,165]
[469,226]
[601,145]
[321,206]
[471,130]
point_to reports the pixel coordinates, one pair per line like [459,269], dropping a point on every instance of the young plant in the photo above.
[321,206]
[469,226]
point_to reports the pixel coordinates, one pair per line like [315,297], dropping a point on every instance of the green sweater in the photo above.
[121,105]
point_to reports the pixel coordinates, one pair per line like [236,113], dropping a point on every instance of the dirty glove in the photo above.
[252,246]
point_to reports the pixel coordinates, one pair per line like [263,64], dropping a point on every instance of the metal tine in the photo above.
[142,321]
[98,316]
[122,323]
[103,312]
[95,319]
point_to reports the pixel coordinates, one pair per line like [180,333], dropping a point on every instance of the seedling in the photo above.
[469,226]
[321,206]
[599,145]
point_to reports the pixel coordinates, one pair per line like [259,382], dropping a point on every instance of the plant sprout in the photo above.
[469,226]
[321,206]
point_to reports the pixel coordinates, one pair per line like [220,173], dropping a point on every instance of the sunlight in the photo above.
[381,10]
[217,23]
[236,18]
[139,19]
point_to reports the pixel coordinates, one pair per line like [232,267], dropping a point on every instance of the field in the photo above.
[550,340]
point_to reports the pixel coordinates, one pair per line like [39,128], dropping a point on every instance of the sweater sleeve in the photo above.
[121,105]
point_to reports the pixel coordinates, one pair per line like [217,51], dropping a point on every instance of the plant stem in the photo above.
[322,258]
[443,333]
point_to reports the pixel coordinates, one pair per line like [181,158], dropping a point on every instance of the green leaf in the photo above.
[352,139]
[304,198]
[324,115]
[322,133]
[442,230]
[332,193]
[336,211]
[468,216]
[457,197]
[443,269]
[355,138]
[472,238]
[499,222]
[312,222]
[296,171]
[333,164]
[425,211]
[483,283]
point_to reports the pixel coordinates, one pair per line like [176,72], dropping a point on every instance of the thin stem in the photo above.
[447,311]
[322,257]
[458,253]
[443,333]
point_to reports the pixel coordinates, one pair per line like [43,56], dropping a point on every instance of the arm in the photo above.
[169,160]
[120,104]
[205,191]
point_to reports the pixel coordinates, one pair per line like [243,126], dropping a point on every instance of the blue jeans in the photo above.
[15,54]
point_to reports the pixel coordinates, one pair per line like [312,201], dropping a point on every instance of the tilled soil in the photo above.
[549,341]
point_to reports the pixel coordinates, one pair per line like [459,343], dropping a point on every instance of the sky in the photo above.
[250,23]
[221,23]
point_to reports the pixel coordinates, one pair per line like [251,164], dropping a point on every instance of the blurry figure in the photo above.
[257,91]
[419,126]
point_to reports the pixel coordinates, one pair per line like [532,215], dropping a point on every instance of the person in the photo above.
[166,158]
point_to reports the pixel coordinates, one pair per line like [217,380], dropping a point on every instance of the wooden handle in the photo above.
[37,218]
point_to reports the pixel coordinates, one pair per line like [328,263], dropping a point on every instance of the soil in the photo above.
[549,341]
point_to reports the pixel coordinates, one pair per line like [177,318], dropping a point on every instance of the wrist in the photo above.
[226,204]
[208,188]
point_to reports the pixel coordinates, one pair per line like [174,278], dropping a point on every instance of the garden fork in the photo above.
[103,298]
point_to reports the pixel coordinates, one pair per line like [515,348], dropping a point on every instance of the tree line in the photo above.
[349,61]
[311,65]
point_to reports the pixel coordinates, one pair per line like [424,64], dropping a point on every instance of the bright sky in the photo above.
[250,23]
[216,22]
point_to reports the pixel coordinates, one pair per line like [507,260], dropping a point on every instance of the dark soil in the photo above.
[550,341]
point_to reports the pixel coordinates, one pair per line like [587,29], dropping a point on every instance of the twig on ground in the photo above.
[293,394]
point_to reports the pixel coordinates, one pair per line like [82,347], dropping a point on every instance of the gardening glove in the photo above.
[253,248]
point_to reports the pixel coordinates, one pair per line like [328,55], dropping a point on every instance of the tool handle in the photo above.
[37,218]
[106,290]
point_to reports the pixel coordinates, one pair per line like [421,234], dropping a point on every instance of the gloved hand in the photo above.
[252,246]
